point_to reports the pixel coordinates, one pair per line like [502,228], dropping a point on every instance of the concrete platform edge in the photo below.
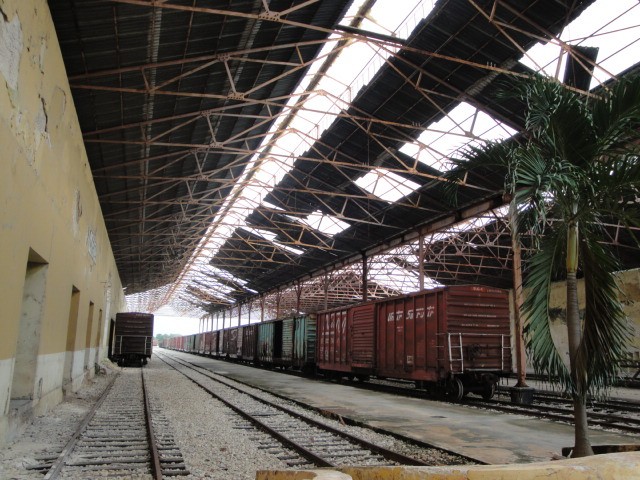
[610,466]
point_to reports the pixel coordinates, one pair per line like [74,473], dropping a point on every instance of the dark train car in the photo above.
[249,351]
[132,338]
[203,343]
[208,339]
[222,334]
[304,343]
[239,341]
[189,344]
[456,339]
[230,343]
[288,342]
[286,332]
[215,344]
[269,345]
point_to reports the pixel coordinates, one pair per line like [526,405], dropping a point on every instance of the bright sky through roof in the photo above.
[325,223]
[464,125]
[328,99]
[612,26]
[386,185]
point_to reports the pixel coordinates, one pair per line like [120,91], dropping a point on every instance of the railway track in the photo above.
[617,415]
[297,440]
[122,435]
[613,414]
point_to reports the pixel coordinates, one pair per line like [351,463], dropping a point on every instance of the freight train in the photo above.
[132,339]
[452,340]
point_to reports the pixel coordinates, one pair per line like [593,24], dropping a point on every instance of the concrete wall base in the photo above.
[602,467]
[20,415]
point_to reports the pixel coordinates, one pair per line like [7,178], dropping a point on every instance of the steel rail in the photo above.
[387,454]
[156,469]
[57,465]
[307,454]
[604,420]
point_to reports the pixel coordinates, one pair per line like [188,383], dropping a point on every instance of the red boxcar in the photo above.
[456,338]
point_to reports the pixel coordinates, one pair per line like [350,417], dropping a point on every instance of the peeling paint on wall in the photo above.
[41,124]
[92,246]
[58,106]
[10,49]
[76,213]
[43,53]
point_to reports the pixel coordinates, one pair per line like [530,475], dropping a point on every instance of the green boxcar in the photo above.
[265,342]
[304,344]
[286,355]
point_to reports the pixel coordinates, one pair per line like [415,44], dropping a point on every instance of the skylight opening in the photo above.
[391,275]
[469,225]
[386,185]
[613,27]
[465,125]
[271,206]
[329,98]
[271,237]
[324,223]
[226,275]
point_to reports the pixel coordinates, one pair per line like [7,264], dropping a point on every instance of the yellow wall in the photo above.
[629,282]
[48,202]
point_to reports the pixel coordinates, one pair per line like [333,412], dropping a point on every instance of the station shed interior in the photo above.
[244,160]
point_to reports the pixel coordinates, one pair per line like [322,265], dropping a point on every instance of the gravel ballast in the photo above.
[208,434]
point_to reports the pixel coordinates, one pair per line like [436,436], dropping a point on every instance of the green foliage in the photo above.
[575,165]
[164,336]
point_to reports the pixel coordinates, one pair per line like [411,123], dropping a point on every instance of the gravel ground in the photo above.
[204,429]
[430,456]
[213,444]
[50,432]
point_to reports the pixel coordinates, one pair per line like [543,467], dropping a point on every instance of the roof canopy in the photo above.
[241,146]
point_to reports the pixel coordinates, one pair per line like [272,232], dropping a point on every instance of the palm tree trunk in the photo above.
[518,301]
[582,446]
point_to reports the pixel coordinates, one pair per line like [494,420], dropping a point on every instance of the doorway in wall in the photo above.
[97,342]
[112,328]
[72,326]
[28,343]
[87,340]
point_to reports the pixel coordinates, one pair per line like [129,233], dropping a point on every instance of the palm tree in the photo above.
[574,169]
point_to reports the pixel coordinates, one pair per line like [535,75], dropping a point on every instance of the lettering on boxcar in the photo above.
[410,314]
[430,310]
[419,313]
[399,315]
[390,317]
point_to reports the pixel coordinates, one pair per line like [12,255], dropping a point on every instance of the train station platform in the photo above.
[491,437]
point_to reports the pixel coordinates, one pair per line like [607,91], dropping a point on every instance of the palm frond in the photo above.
[475,158]
[558,120]
[605,328]
[616,115]
[616,178]
[542,268]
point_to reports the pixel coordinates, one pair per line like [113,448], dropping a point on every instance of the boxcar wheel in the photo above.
[455,389]
[488,391]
